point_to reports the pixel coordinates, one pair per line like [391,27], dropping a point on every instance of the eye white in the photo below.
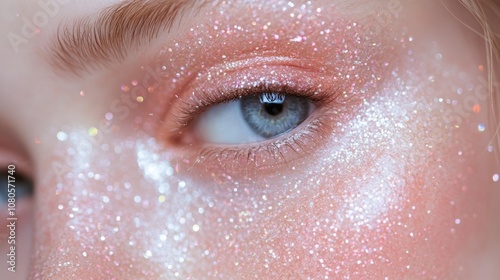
[225,124]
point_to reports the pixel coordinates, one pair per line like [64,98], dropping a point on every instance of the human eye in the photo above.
[17,185]
[258,114]
[16,204]
[276,116]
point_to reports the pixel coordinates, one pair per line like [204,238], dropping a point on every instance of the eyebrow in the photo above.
[87,43]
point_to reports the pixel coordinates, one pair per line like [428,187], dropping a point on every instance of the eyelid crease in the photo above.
[217,94]
[83,44]
[301,80]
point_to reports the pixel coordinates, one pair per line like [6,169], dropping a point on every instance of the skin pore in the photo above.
[390,176]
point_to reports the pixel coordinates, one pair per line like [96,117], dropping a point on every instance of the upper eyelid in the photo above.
[299,80]
[209,100]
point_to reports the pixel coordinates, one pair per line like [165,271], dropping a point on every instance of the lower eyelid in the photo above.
[263,157]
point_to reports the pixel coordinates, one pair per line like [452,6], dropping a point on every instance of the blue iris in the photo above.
[271,114]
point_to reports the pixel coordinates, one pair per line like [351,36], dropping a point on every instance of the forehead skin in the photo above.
[401,191]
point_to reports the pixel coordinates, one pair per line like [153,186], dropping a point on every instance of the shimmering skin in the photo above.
[391,179]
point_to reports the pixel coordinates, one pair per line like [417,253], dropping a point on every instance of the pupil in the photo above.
[273,109]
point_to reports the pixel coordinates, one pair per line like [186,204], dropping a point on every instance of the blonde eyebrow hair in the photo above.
[87,43]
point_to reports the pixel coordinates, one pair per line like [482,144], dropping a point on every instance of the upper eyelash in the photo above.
[186,109]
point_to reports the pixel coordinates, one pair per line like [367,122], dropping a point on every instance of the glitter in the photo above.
[161,198]
[61,136]
[60,207]
[118,218]
[135,83]
[140,99]
[457,221]
[476,108]
[125,88]
[137,199]
[481,127]
[109,116]
[163,188]
[102,238]
[148,254]
[495,177]
[84,254]
[105,199]
[93,131]
[169,171]
[196,228]
[182,184]
[82,93]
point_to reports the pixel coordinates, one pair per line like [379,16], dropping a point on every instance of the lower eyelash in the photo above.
[266,155]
